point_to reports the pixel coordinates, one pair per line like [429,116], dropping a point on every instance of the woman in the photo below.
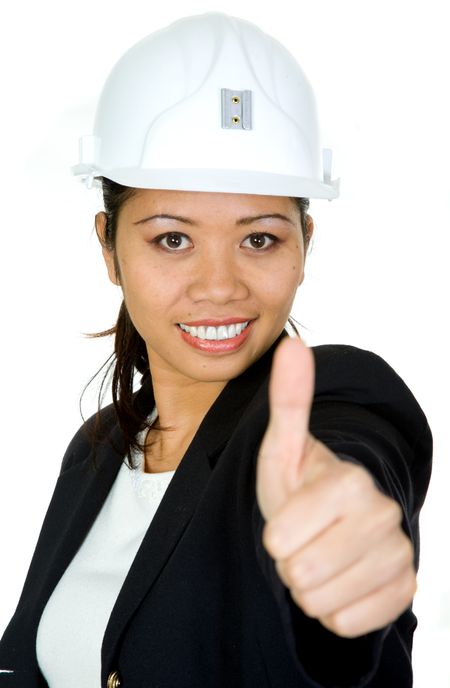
[248,516]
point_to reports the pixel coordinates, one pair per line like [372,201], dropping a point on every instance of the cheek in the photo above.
[280,284]
[147,290]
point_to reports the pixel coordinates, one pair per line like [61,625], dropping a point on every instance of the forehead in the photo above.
[201,202]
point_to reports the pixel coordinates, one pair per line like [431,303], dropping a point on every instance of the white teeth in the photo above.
[222,332]
[211,333]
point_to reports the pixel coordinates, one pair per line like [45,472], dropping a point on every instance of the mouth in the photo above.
[221,339]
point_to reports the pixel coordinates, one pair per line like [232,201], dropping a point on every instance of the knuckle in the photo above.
[357,481]
[309,603]
[300,571]
[405,551]
[393,512]
[271,539]
[398,572]
[266,538]
[386,515]
[297,597]
[404,592]
[408,587]
[343,627]
[341,624]
[292,572]
[280,567]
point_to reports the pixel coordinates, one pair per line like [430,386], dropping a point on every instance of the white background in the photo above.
[376,276]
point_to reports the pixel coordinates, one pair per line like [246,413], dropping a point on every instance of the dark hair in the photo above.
[130,352]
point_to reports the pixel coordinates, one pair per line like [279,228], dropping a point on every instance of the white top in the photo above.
[73,623]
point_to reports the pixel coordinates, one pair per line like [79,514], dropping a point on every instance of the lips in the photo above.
[213,346]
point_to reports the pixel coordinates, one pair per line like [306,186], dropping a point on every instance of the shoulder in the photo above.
[81,445]
[346,373]
[352,369]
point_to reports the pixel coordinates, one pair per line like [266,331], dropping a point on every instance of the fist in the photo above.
[336,540]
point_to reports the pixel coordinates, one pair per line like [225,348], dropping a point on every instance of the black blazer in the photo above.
[202,605]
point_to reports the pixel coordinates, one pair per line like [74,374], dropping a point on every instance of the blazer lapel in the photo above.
[181,497]
[166,528]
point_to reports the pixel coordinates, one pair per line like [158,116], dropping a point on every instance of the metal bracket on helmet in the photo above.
[236,109]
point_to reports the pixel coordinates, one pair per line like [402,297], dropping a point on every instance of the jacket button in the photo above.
[113,680]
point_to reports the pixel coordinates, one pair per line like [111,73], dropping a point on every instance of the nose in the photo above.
[217,277]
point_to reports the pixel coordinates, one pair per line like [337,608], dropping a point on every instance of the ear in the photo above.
[309,233]
[108,253]
[309,229]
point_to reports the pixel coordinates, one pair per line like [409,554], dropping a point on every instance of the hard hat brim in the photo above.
[216,180]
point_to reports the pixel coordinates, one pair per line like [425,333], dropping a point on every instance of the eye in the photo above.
[261,241]
[174,241]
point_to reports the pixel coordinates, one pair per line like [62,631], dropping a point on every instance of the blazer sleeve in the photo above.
[365,413]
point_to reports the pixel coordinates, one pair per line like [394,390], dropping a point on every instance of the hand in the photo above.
[336,539]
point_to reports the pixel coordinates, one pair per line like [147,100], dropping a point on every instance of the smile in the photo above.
[215,333]
[211,340]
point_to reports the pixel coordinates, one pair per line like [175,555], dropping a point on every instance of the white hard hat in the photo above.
[209,103]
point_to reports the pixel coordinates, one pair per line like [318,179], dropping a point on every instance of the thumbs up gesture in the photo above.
[336,540]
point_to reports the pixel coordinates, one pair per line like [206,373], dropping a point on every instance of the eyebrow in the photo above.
[241,221]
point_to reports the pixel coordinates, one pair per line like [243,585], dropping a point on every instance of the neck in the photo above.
[182,407]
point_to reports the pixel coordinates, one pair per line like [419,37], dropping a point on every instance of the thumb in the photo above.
[283,448]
